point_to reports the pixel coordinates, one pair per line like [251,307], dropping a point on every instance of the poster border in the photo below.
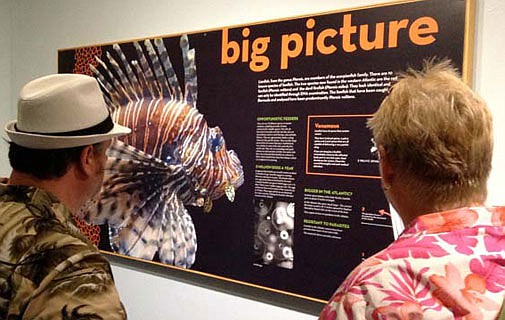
[304,303]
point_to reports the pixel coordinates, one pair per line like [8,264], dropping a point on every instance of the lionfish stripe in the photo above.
[147,125]
[157,147]
[170,114]
[169,69]
[133,112]
[158,72]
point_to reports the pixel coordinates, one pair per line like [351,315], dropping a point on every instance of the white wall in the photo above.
[150,297]
[6,110]
[34,31]
[490,81]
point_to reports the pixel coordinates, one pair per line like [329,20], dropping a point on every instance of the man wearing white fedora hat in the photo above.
[48,270]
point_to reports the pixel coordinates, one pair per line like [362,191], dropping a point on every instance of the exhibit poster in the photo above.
[250,158]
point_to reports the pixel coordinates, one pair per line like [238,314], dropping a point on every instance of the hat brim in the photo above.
[39,141]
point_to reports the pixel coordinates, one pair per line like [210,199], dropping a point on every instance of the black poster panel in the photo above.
[292,99]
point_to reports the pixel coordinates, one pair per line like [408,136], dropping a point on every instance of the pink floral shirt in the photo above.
[446,265]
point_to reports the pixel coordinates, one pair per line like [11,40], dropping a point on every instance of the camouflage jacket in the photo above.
[48,270]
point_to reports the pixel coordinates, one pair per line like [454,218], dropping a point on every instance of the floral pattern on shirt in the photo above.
[446,265]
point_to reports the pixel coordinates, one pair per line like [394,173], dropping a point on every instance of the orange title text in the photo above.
[254,50]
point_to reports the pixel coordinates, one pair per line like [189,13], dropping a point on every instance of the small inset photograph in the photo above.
[273,237]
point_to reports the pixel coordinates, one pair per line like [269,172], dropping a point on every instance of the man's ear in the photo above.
[387,170]
[87,161]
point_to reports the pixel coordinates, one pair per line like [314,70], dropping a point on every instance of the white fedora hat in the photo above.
[62,111]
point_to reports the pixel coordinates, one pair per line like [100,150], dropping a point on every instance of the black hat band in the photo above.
[103,127]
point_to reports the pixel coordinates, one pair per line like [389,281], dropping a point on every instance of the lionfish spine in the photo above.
[114,92]
[169,69]
[115,83]
[131,77]
[123,83]
[144,86]
[158,72]
[150,82]
[190,78]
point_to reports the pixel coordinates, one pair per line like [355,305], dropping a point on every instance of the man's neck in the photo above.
[59,187]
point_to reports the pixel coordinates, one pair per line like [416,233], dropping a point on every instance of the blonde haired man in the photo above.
[434,138]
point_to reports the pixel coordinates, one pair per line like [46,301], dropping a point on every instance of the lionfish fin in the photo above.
[123,84]
[145,88]
[169,69]
[110,88]
[137,236]
[177,243]
[207,206]
[229,190]
[190,78]
[152,86]
[132,180]
[152,75]
[132,82]
[158,71]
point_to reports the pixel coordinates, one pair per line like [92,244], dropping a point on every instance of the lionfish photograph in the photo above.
[172,158]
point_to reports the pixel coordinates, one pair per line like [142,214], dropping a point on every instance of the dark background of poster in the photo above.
[227,98]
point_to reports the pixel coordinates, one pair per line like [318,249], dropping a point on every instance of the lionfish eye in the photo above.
[216,142]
